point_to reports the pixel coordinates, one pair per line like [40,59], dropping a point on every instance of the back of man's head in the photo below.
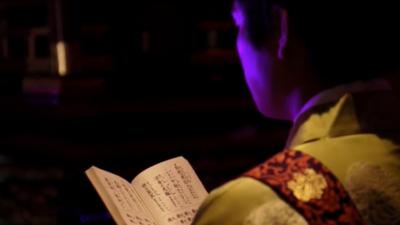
[347,41]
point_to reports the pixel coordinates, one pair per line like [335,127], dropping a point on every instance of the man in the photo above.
[319,63]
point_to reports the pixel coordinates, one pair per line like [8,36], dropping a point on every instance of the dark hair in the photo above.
[347,40]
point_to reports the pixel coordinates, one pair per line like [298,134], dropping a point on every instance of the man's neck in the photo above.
[300,96]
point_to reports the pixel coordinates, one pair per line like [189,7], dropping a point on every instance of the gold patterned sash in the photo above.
[309,187]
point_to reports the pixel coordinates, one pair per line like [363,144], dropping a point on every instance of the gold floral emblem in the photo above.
[308,185]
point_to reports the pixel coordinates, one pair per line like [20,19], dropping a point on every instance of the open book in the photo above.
[167,193]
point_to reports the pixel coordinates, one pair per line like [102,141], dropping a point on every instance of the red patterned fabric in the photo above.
[333,207]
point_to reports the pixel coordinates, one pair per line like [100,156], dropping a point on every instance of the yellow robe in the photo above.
[356,136]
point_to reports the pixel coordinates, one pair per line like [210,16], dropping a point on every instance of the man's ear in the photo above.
[282,20]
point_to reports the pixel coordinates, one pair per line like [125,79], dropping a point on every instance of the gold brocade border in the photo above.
[309,187]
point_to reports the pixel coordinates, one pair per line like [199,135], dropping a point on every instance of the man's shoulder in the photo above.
[341,153]
[233,202]
[238,190]
[239,185]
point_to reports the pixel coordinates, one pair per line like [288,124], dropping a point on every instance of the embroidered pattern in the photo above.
[307,186]
[375,193]
[333,207]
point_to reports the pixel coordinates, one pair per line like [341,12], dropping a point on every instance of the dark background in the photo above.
[147,81]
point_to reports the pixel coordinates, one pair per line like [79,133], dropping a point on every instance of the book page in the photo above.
[125,198]
[172,191]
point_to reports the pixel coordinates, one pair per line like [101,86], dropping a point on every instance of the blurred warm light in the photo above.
[145,41]
[62,58]
[212,39]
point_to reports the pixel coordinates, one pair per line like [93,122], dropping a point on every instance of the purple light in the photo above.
[87,218]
